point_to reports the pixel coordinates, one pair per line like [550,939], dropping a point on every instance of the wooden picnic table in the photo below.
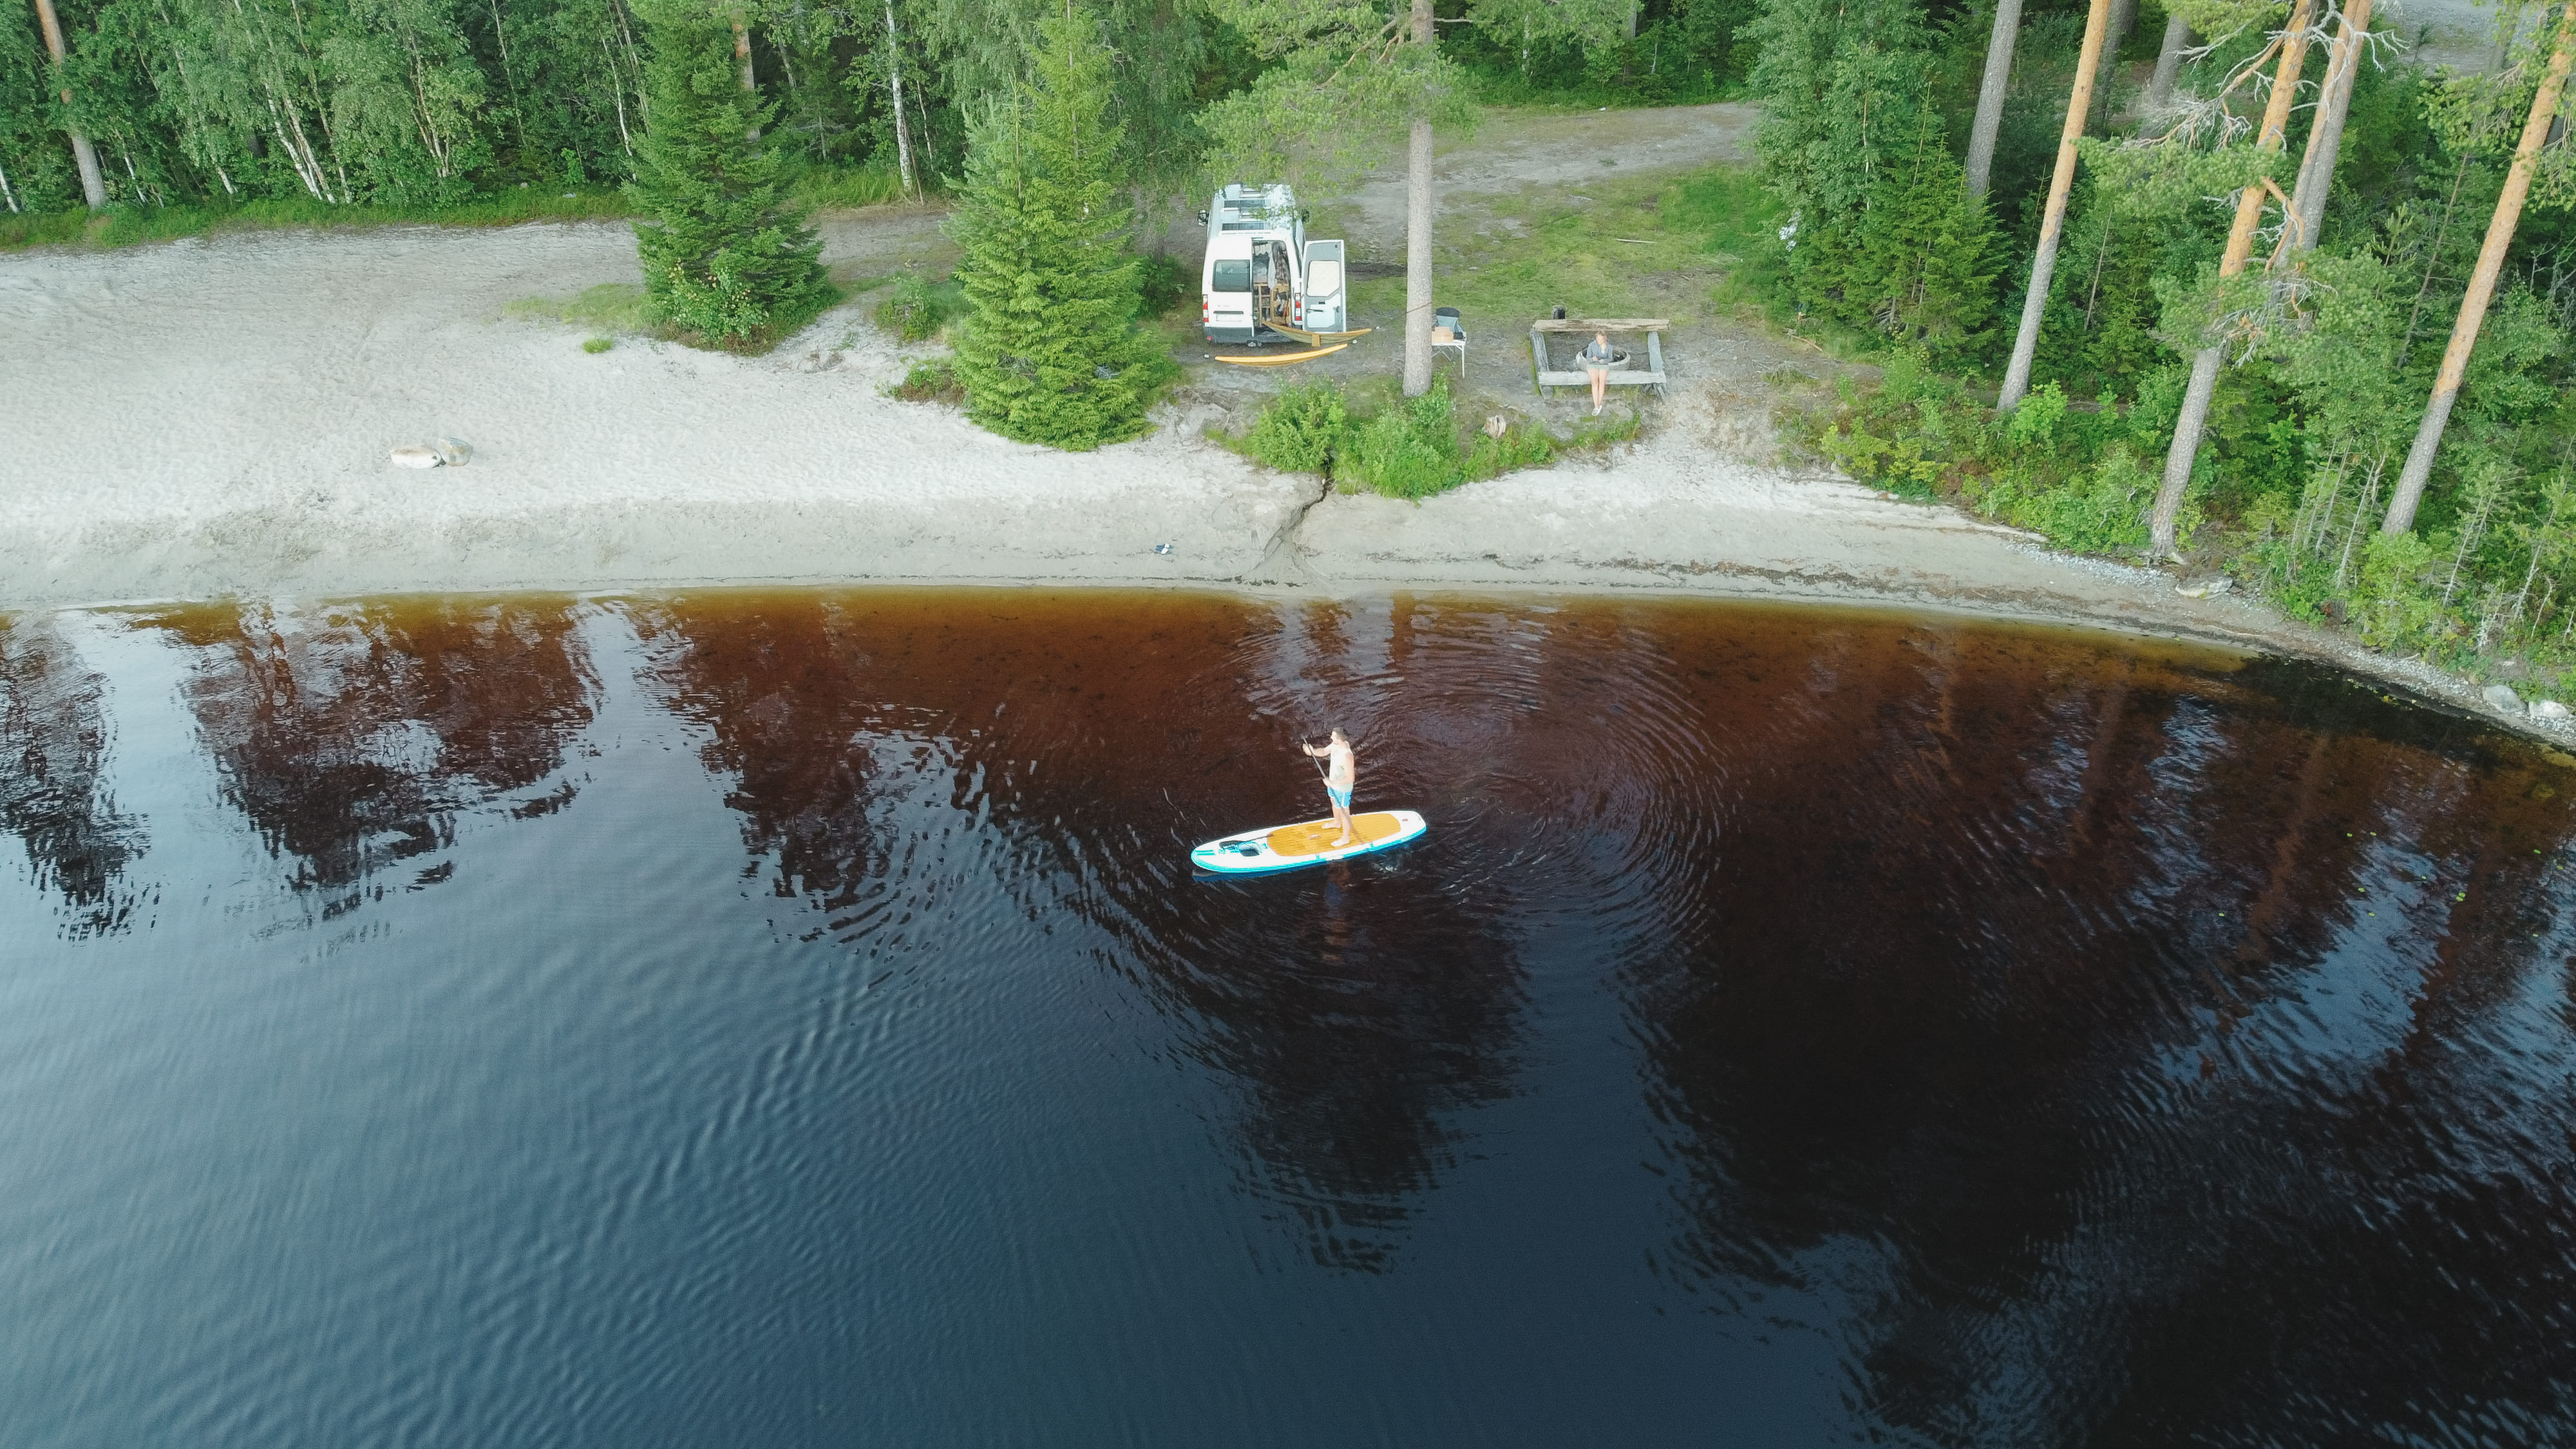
[1545,377]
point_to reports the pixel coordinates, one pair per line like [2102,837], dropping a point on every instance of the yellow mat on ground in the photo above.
[1275,361]
[1314,837]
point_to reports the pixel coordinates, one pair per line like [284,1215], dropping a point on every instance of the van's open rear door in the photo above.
[1327,288]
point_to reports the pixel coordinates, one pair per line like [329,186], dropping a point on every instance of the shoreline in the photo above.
[215,419]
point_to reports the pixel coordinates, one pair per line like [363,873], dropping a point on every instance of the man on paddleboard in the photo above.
[1342,771]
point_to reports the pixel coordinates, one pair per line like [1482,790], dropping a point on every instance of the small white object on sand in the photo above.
[416,456]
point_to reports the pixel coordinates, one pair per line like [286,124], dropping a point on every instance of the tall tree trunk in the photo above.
[2482,282]
[93,183]
[2240,244]
[2325,133]
[6,192]
[2168,64]
[1990,95]
[1417,234]
[2124,18]
[2043,264]
[902,130]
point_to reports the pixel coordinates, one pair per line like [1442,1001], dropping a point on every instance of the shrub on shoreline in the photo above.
[934,381]
[1409,448]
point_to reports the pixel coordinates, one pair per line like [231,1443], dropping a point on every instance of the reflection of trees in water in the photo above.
[351,737]
[1353,1015]
[53,743]
[2038,1013]
[794,707]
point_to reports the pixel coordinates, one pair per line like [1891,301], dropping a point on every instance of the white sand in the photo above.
[213,418]
[216,417]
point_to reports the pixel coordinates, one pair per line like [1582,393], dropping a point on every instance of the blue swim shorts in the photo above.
[1340,797]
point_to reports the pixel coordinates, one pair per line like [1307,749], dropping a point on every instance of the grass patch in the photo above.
[624,307]
[597,345]
[1682,248]
[128,225]
[845,188]
[1604,250]
[608,307]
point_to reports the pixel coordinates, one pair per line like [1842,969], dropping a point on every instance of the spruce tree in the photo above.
[1050,352]
[732,259]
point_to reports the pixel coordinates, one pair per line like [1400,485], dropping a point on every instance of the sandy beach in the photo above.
[213,418]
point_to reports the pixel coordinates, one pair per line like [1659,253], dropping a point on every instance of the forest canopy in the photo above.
[438,102]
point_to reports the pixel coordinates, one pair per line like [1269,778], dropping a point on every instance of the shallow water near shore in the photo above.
[789,1018]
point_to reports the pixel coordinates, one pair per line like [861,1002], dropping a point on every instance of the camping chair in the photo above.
[1446,332]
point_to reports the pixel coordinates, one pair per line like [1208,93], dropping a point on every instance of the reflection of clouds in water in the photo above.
[54,735]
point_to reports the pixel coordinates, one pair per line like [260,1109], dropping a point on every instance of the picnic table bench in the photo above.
[1545,376]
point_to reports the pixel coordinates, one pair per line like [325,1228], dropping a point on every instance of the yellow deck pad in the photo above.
[1284,357]
[1314,837]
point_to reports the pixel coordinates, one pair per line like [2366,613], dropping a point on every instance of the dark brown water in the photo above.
[789,1019]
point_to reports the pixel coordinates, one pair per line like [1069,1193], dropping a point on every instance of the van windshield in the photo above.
[1232,276]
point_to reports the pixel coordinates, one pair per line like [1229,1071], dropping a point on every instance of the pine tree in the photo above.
[1050,352]
[732,260]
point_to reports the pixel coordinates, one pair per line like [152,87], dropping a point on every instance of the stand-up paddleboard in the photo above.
[1286,847]
[1276,360]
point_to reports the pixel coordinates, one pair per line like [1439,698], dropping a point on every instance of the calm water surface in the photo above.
[789,1019]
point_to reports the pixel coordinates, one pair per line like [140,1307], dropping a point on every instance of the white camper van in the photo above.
[1262,275]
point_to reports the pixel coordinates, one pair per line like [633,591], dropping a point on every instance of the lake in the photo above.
[789,1018]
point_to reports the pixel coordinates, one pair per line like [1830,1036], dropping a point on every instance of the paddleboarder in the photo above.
[1341,771]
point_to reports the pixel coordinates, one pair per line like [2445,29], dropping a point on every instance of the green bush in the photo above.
[1409,450]
[932,381]
[1164,283]
[596,345]
[917,309]
[1299,431]
[2103,511]
[1520,446]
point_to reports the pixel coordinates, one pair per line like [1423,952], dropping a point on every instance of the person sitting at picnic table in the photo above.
[1596,360]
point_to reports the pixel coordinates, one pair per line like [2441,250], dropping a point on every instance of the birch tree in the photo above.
[2545,112]
[93,185]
